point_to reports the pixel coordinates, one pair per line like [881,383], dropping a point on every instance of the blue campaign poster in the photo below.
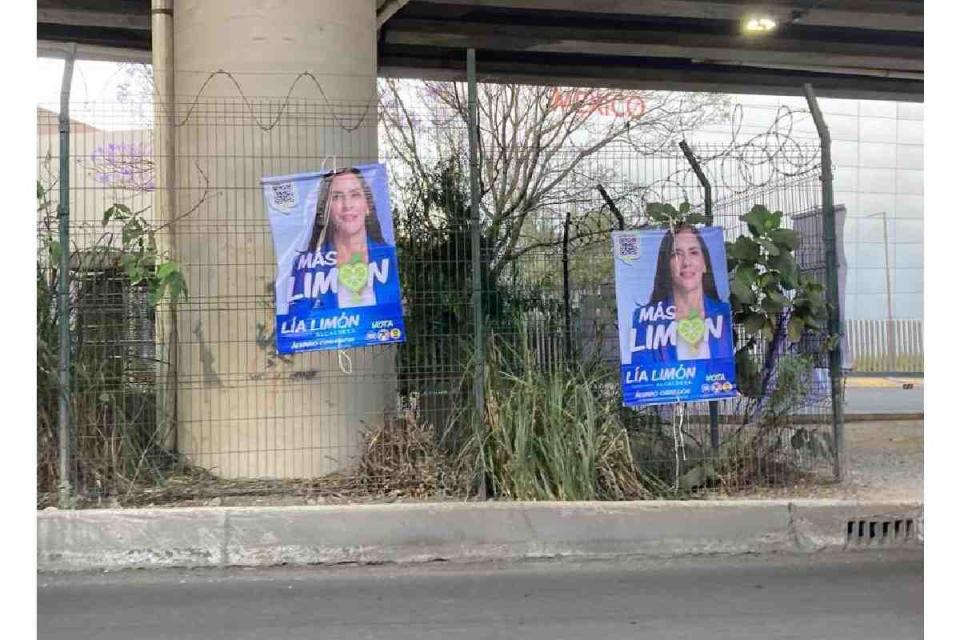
[338,284]
[673,314]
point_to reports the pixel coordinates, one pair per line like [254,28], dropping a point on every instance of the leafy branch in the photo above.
[770,297]
[141,260]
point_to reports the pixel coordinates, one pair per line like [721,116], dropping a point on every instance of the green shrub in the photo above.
[552,433]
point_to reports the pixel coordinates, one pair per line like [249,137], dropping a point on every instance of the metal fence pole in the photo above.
[891,341]
[165,198]
[565,260]
[833,285]
[714,406]
[63,285]
[478,351]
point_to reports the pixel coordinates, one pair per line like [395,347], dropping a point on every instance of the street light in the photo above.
[759,24]
[891,343]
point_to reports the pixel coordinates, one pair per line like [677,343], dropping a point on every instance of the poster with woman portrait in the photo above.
[673,314]
[337,283]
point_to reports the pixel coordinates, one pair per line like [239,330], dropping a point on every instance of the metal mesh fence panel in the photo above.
[235,418]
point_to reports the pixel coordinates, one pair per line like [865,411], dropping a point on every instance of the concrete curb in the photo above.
[881,417]
[404,533]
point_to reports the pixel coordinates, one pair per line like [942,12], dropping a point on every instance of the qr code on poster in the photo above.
[284,196]
[628,246]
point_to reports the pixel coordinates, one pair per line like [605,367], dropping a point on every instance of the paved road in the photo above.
[850,596]
[884,400]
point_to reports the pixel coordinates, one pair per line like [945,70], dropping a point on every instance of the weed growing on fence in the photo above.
[551,433]
[115,439]
[404,456]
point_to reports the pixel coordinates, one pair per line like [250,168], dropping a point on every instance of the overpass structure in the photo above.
[845,48]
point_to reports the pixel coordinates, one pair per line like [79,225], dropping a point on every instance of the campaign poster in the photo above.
[673,315]
[337,283]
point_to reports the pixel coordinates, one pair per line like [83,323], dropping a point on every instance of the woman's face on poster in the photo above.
[348,204]
[687,264]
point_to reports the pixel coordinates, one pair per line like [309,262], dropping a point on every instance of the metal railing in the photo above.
[885,346]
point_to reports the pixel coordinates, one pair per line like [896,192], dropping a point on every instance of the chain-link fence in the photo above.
[180,399]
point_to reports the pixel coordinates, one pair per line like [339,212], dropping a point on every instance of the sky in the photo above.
[94,83]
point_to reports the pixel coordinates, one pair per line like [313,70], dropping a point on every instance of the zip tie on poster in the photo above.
[343,356]
[683,412]
[676,448]
[344,361]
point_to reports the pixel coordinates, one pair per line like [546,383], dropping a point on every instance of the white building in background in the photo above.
[878,175]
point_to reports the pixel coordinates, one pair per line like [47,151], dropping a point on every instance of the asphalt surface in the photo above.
[883,400]
[838,596]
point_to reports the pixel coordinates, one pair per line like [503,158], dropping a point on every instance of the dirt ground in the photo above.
[884,463]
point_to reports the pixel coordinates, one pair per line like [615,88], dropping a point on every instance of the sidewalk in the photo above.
[884,486]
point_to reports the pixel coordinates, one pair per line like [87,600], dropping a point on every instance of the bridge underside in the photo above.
[845,48]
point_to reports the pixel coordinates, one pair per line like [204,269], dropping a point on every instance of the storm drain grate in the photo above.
[870,532]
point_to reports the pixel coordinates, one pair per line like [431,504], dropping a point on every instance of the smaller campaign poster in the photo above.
[673,315]
[338,282]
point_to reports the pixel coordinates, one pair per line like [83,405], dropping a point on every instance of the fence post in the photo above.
[478,351]
[567,338]
[833,285]
[165,199]
[714,406]
[65,488]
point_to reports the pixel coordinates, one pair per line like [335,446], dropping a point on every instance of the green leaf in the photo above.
[172,286]
[769,279]
[767,332]
[770,246]
[756,219]
[166,269]
[754,322]
[661,212]
[787,266]
[779,298]
[132,231]
[684,208]
[55,252]
[743,292]
[745,249]
[772,221]
[116,211]
[156,293]
[696,218]
[770,305]
[746,275]
[785,238]
[795,329]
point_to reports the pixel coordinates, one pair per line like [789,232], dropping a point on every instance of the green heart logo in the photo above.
[353,275]
[692,328]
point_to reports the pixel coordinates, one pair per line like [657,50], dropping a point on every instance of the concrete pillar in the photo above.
[241,410]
